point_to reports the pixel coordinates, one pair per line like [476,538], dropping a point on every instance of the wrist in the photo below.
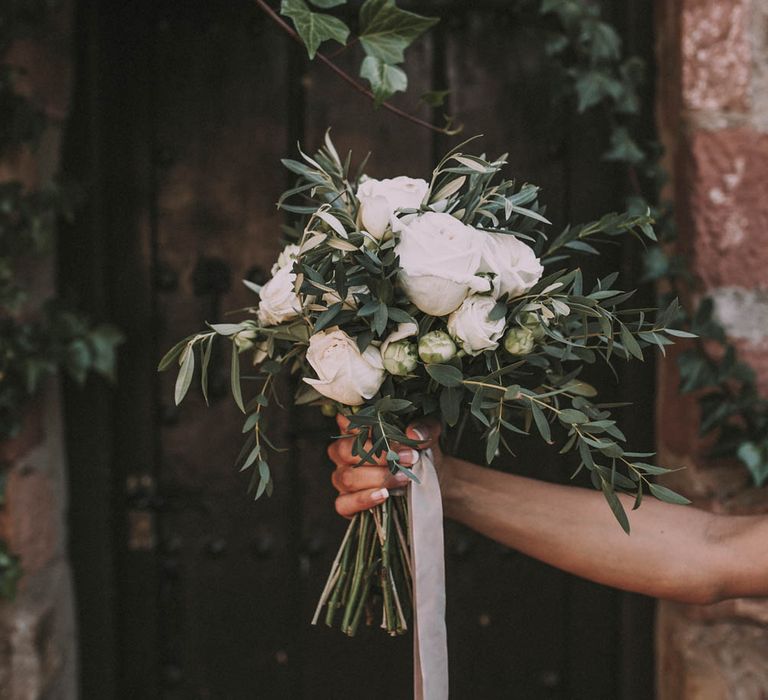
[451,485]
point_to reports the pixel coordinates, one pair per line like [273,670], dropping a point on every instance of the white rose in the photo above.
[286,258]
[439,257]
[279,302]
[470,327]
[345,374]
[380,199]
[513,262]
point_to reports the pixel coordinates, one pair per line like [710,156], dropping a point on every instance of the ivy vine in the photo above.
[595,74]
[34,343]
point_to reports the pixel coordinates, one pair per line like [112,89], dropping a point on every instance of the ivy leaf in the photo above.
[623,148]
[314,27]
[386,30]
[435,98]
[385,79]
[327,4]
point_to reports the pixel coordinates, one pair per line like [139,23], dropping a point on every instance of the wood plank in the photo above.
[222,93]
[507,608]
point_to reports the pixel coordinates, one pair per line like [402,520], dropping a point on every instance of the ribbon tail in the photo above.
[430,647]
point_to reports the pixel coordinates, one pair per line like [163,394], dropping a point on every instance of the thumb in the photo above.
[426,431]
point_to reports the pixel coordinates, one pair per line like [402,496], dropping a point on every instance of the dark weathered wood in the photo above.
[221,129]
[508,609]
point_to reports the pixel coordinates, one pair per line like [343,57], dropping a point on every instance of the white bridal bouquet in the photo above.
[402,298]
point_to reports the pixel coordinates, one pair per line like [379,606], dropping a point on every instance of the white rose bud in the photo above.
[244,340]
[519,341]
[344,373]
[471,328]
[380,200]
[439,257]
[436,346]
[397,353]
[513,262]
[400,358]
[279,302]
[286,258]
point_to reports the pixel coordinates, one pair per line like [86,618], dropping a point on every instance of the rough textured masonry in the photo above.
[37,635]
[713,117]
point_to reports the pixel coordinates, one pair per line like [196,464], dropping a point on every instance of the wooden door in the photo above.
[186,588]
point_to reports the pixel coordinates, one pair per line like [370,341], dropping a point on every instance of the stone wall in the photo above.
[713,115]
[37,639]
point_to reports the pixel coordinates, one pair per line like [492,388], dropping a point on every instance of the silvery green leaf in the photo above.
[446,375]
[615,504]
[184,378]
[333,222]
[571,415]
[451,187]
[541,423]
[208,345]
[173,353]
[314,27]
[227,328]
[235,379]
[385,79]
[667,495]
[386,30]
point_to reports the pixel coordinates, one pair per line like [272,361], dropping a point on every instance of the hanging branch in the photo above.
[347,78]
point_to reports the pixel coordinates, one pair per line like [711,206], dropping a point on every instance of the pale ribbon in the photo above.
[430,648]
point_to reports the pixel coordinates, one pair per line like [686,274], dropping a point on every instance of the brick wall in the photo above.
[37,639]
[713,115]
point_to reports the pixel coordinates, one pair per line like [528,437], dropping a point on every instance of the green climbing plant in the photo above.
[34,343]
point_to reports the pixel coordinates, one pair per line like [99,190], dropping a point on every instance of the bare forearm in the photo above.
[674,552]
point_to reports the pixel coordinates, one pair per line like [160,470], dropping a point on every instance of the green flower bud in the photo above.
[436,346]
[328,408]
[400,358]
[519,341]
[534,324]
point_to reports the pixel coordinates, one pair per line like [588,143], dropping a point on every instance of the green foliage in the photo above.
[34,347]
[385,79]
[575,325]
[596,75]
[314,27]
[385,31]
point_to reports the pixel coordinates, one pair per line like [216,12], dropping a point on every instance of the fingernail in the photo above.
[408,457]
[380,495]
[401,478]
[421,431]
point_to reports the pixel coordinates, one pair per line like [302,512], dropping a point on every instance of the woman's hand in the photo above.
[361,488]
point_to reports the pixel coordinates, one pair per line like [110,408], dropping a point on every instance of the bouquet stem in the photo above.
[372,567]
